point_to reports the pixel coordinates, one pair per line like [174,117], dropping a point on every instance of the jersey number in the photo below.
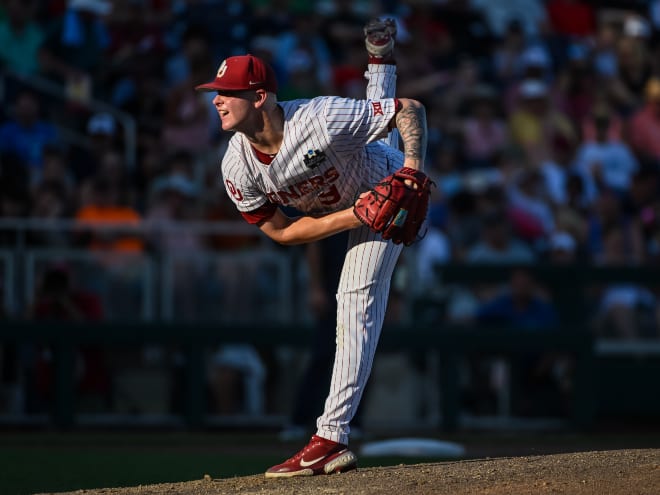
[329,196]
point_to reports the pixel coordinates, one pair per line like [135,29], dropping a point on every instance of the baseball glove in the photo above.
[395,209]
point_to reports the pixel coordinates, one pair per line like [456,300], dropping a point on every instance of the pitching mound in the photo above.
[629,472]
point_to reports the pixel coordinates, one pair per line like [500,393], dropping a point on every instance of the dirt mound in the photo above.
[629,472]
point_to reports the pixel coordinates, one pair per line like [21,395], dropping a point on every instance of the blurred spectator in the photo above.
[173,200]
[484,133]
[303,81]
[184,163]
[147,106]
[557,172]
[104,126]
[468,27]
[524,305]
[445,170]
[644,129]
[229,23]
[625,310]
[605,163]
[58,300]
[50,201]
[634,70]
[527,197]
[576,223]
[102,209]
[654,13]
[499,13]
[56,169]
[101,129]
[342,29]
[604,51]
[649,220]
[433,250]
[347,77]
[608,216]
[74,49]
[644,189]
[602,109]
[508,52]
[459,89]
[577,84]
[113,168]
[26,133]
[535,64]
[178,64]
[302,60]
[562,248]
[20,37]
[636,25]
[136,48]
[273,17]
[535,123]
[188,124]
[521,305]
[571,18]
[497,244]
[420,74]
[237,377]
[150,163]
[463,225]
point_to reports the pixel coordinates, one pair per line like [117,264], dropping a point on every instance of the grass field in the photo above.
[34,462]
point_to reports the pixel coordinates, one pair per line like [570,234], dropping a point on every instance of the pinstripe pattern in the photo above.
[361,296]
[346,131]
[352,151]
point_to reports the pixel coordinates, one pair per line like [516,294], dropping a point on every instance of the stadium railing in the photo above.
[156,318]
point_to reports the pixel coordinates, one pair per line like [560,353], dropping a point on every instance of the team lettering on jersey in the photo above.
[320,184]
[234,191]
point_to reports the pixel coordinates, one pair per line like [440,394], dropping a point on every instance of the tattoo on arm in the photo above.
[411,123]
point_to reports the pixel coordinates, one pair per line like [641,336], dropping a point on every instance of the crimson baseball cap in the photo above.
[240,73]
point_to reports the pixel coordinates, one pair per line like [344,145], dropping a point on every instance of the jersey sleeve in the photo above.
[260,215]
[239,182]
[358,122]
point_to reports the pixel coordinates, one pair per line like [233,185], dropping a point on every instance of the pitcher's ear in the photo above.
[260,95]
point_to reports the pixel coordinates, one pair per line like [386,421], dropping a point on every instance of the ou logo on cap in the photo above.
[222,69]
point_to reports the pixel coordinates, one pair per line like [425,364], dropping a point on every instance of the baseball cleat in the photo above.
[319,456]
[379,35]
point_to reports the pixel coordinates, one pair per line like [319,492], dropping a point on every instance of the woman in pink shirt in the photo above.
[484,133]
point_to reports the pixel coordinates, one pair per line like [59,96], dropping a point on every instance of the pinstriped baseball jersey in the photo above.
[333,149]
[329,154]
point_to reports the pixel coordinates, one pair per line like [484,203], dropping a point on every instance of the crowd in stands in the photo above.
[544,118]
[544,144]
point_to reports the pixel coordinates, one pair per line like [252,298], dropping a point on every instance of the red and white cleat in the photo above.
[319,456]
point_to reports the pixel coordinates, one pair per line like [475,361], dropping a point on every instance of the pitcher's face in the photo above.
[235,109]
